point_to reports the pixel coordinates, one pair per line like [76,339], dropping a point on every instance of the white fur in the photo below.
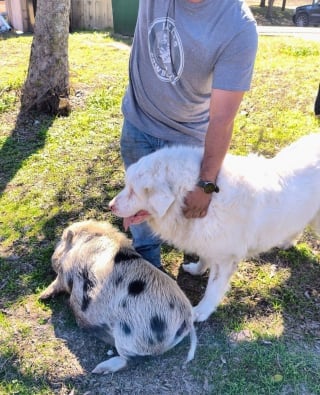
[262,203]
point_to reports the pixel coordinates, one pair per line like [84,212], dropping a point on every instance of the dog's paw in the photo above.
[110,366]
[194,268]
[201,313]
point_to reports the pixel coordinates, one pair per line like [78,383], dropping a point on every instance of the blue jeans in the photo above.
[134,144]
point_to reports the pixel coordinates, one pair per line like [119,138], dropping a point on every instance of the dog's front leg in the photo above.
[218,285]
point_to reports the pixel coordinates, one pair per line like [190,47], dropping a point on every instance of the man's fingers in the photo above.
[196,204]
[189,213]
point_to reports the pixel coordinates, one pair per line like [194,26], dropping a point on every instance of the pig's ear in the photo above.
[54,288]
[69,237]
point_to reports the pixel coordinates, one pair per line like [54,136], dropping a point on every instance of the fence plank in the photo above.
[91,15]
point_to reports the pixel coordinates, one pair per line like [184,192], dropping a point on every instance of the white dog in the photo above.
[262,203]
[118,296]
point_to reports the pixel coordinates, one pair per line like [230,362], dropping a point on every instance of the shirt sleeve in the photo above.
[234,69]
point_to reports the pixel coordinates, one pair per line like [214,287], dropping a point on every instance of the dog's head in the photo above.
[147,192]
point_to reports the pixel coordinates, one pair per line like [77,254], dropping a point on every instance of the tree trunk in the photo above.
[46,88]
[284,2]
[317,104]
[269,10]
[262,3]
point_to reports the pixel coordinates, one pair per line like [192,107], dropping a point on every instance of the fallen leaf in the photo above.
[277,378]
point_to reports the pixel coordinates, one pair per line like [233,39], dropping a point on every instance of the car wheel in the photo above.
[302,20]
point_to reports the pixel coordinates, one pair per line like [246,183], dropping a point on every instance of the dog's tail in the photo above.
[193,344]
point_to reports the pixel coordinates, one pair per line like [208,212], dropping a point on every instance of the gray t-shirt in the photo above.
[181,50]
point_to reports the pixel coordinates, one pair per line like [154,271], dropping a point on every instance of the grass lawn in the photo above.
[265,336]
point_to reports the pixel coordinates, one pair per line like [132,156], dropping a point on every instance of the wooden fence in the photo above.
[85,14]
[91,14]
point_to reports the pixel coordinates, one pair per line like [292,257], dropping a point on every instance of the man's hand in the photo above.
[196,203]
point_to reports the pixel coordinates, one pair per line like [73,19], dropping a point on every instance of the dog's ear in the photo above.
[154,192]
[160,199]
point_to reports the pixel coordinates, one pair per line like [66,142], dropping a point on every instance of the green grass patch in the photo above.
[257,368]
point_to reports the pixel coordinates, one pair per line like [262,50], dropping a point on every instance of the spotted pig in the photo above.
[118,296]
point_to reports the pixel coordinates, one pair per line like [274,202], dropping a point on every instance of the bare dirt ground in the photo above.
[70,354]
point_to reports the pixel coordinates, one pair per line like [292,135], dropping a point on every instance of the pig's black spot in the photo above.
[158,327]
[89,282]
[125,328]
[136,287]
[118,280]
[126,254]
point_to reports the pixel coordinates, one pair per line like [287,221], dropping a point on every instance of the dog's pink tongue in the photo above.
[141,216]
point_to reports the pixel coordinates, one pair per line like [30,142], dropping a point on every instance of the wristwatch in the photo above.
[208,186]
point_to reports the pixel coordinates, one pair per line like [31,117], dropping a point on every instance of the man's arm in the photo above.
[223,110]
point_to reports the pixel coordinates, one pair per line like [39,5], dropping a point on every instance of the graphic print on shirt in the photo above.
[165,50]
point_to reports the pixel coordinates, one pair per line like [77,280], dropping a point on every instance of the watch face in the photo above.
[209,187]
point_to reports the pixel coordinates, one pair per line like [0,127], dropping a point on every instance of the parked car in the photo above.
[307,15]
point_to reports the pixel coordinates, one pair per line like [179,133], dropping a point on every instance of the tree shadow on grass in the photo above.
[264,341]
[26,265]
[299,295]
[27,137]
[296,298]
